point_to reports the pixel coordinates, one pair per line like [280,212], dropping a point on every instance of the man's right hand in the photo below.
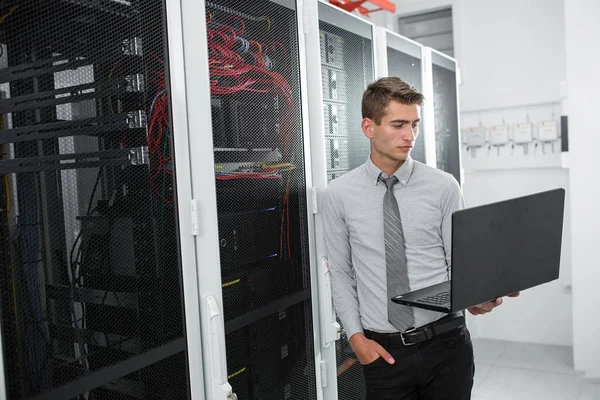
[369,350]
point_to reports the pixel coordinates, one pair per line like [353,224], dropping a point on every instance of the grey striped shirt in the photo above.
[353,229]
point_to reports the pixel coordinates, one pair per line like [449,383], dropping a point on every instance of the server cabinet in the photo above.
[401,57]
[441,73]
[258,287]
[92,300]
[344,45]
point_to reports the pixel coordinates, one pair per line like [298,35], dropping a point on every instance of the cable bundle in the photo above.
[236,65]
[230,72]
[159,129]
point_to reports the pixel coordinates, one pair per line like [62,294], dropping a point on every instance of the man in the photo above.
[387,228]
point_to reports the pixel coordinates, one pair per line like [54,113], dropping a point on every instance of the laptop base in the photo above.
[427,298]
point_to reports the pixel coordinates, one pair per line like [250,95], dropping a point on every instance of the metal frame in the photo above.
[200,223]
[329,329]
[385,38]
[344,20]
[381,57]
[202,202]
[308,38]
[428,123]
[182,149]
[326,360]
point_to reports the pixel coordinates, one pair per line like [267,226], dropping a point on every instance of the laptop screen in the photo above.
[506,247]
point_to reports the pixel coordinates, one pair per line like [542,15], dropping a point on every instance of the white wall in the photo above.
[511,54]
[583,64]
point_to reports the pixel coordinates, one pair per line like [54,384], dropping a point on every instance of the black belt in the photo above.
[417,335]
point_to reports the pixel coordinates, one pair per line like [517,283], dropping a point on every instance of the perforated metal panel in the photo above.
[446,115]
[347,69]
[408,68]
[90,286]
[261,201]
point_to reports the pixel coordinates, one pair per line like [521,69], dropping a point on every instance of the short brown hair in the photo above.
[379,93]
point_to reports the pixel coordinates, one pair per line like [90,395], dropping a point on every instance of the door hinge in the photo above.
[323,373]
[315,208]
[194,208]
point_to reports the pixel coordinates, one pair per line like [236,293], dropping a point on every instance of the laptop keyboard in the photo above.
[439,299]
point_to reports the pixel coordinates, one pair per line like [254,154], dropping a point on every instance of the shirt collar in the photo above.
[403,173]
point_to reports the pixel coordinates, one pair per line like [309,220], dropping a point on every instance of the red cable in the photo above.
[226,63]
[241,31]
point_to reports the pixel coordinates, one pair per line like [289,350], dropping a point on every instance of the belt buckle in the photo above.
[402,336]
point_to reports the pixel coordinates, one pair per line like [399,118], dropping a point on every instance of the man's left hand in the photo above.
[485,308]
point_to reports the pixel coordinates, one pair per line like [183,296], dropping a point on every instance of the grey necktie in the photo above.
[401,317]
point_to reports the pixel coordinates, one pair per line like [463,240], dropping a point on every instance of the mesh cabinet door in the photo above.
[260,181]
[404,61]
[346,44]
[346,69]
[445,103]
[90,290]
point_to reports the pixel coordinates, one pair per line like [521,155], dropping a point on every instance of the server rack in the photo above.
[442,73]
[259,176]
[92,300]
[401,57]
[346,49]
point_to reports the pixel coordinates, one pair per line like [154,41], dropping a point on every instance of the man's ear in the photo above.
[368,125]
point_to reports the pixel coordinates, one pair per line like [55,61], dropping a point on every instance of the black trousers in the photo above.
[438,369]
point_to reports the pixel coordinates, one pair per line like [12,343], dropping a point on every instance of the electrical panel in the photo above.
[90,289]
[523,133]
[499,135]
[548,131]
[474,137]
[523,136]
[261,204]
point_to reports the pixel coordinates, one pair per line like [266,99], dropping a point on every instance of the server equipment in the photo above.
[90,286]
[261,202]
[346,70]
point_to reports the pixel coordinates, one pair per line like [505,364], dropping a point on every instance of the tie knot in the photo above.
[390,182]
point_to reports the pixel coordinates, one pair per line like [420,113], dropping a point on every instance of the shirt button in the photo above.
[404,182]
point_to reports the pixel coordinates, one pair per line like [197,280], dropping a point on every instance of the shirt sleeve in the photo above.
[453,201]
[337,248]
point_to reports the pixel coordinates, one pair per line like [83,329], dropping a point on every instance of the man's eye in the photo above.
[399,126]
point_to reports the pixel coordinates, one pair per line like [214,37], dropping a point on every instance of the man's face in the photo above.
[395,136]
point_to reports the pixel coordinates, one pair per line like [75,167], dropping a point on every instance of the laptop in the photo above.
[498,249]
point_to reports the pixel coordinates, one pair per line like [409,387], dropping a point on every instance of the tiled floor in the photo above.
[520,371]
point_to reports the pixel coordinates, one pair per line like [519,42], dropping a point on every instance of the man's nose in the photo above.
[409,134]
